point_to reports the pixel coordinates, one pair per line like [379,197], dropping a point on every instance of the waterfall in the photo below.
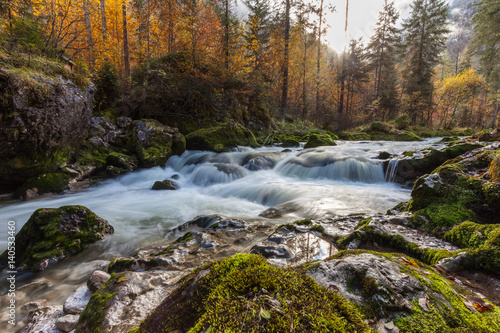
[390,173]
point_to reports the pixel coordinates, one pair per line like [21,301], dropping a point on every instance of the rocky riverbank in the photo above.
[429,265]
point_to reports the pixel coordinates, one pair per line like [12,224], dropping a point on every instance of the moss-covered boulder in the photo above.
[411,167]
[290,143]
[44,183]
[318,140]
[399,294]
[166,184]
[245,293]
[154,143]
[221,138]
[456,192]
[52,234]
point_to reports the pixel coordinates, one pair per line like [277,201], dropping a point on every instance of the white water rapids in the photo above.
[314,183]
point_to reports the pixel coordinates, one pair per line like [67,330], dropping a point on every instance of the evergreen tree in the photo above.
[257,35]
[486,44]
[425,39]
[382,58]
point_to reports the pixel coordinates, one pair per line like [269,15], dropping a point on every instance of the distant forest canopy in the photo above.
[439,67]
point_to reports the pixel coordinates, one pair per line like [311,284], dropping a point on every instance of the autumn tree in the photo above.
[257,34]
[424,40]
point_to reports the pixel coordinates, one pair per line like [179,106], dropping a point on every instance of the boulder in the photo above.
[154,143]
[166,184]
[97,280]
[52,234]
[77,302]
[318,140]
[220,138]
[245,293]
[43,184]
[38,128]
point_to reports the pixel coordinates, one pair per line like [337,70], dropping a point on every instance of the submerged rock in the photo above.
[51,234]
[221,138]
[165,185]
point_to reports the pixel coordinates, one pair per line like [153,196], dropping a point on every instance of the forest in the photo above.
[436,68]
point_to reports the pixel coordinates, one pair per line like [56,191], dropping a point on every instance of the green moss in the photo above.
[93,315]
[120,265]
[471,235]
[397,242]
[164,185]
[43,236]
[46,183]
[362,223]
[290,143]
[305,222]
[318,140]
[231,297]
[221,138]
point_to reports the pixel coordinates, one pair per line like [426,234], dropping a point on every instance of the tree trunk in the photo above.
[103,22]
[90,39]
[318,60]
[495,114]
[126,53]
[226,34]
[284,91]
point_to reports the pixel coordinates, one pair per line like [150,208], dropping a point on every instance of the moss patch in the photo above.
[245,293]
[221,138]
[45,183]
[318,140]
[57,233]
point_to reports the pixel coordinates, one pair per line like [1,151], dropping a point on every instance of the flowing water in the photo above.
[314,183]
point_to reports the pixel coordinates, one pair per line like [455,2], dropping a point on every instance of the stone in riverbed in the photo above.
[97,280]
[165,185]
[42,320]
[77,302]
[52,234]
[67,323]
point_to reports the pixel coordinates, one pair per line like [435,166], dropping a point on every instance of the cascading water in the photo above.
[311,183]
[392,168]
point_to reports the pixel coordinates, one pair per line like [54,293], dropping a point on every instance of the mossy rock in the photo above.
[166,184]
[154,143]
[45,183]
[245,293]
[52,234]
[290,143]
[456,192]
[318,140]
[494,169]
[123,161]
[221,138]
[407,136]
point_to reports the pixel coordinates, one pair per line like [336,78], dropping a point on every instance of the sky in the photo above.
[363,15]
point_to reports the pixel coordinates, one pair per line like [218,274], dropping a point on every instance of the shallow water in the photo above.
[314,183]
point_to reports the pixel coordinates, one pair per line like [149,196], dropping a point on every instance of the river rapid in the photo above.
[316,183]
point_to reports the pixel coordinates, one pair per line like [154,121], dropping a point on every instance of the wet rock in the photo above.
[256,163]
[97,280]
[126,300]
[43,320]
[221,138]
[52,234]
[123,122]
[317,140]
[383,155]
[290,143]
[411,168]
[295,244]
[165,185]
[368,277]
[98,142]
[77,302]
[32,306]
[67,323]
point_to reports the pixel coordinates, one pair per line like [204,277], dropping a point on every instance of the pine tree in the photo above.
[382,51]
[425,39]
[486,44]
[257,35]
